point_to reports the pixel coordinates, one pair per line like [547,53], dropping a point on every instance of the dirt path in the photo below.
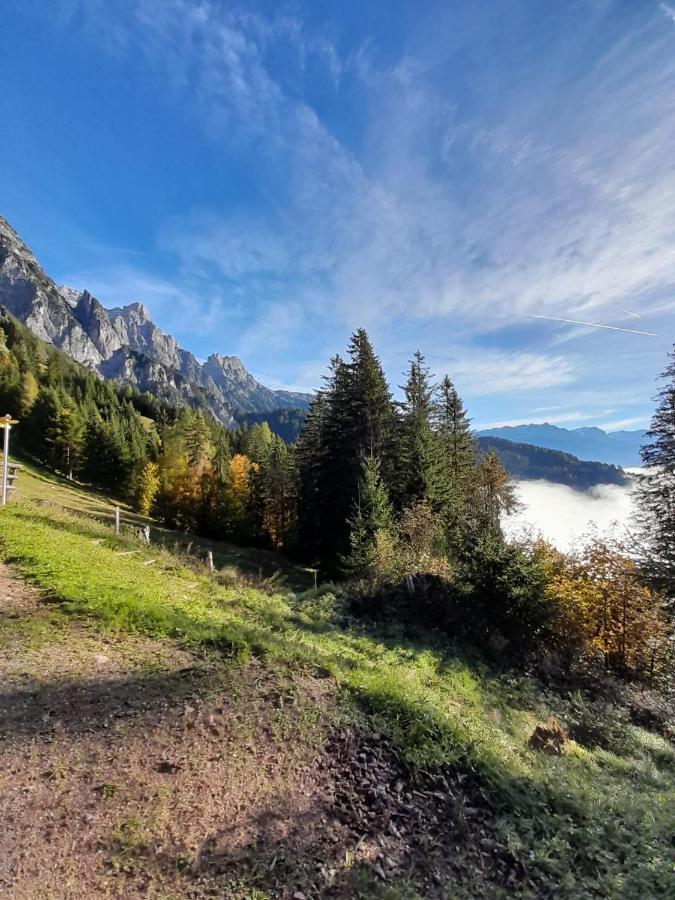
[128,768]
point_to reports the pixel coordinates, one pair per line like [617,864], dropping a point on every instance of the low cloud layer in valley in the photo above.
[563,515]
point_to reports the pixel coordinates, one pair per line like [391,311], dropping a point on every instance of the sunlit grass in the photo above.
[594,823]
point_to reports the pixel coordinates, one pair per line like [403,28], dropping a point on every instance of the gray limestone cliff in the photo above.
[125,345]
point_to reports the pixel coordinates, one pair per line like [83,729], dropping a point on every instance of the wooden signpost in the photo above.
[8,471]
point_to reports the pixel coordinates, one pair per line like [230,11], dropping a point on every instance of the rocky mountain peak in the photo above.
[124,344]
[70,295]
[133,313]
[230,364]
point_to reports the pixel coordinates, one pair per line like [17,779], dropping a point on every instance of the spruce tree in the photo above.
[309,455]
[280,495]
[372,411]
[197,444]
[656,491]
[372,515]
[221,455]
[419,473]
[457,451]
[357,417]
[337,471]
[495,496]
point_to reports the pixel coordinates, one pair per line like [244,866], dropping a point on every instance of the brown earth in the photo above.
[132,768]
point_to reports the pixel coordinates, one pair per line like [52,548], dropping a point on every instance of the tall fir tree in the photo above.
[419,473]
[457,456]
[372,516]
[280,510]
[494,497]
[357,417]
[309,456]
[197,444]
[372,411]
[656,492]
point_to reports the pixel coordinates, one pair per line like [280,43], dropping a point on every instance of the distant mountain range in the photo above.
[125,345]
[525,462]
[618,448]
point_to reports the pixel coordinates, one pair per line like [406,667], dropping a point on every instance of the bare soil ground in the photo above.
[127,766]
[132,768]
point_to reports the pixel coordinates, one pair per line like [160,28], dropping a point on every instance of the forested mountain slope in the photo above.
[125,345]
[527,462]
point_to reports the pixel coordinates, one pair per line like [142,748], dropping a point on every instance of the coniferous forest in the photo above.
[394,497]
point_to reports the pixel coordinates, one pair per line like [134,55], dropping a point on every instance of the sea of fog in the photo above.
[563,516]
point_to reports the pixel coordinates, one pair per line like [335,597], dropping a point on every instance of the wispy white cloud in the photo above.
[631,422]
[496,372]
[440,211]
[581,216]
[668,10]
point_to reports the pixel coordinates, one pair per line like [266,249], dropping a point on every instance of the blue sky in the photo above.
[266,177]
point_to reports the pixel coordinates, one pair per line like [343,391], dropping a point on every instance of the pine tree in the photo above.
[106,456]
[656,491]
[197,443]
[495,496]
[371,409]
[419,473]
[221,456]
[280,495]
[354,416]
[310,456]
[257,442]
[372,516]
[457,451]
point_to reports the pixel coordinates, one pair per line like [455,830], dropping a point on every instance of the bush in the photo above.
[504,596]
[593,724]
[496,599]
[427,600]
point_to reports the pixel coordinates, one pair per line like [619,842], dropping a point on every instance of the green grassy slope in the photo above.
[38,486]
[587,823]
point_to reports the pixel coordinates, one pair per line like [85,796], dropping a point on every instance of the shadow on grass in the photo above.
[80,706]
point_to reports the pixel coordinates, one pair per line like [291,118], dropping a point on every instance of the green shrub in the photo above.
[593,724]
[503,588]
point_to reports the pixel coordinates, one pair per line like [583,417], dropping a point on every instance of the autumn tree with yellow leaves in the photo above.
[603,610]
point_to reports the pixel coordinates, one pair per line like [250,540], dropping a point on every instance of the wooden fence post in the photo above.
[117,521]
[209,560]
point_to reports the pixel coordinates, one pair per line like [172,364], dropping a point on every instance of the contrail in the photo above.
[596,325]
[634,315]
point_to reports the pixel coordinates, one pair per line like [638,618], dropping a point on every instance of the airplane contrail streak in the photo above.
[634,315]
[596,325]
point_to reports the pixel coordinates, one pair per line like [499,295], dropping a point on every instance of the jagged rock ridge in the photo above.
[125,345]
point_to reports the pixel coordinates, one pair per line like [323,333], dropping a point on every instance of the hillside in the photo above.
[527,462]
[617,448]
[124,344]
[205,736]
[521,461]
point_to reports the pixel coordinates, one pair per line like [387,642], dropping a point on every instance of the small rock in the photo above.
[379,871]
